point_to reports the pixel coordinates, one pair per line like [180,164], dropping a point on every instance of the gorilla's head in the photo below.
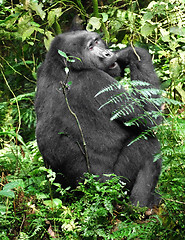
[87,49]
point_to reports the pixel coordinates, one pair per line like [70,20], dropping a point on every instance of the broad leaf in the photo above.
[38,9]
[28,33]
[94,23]
[147,29]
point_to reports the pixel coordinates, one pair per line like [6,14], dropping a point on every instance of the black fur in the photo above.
[58,134]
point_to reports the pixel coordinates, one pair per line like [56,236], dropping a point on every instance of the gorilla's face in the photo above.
[99,56]
[90,49]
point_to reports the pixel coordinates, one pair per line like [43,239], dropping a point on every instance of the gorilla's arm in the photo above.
[141,68]
[140,64]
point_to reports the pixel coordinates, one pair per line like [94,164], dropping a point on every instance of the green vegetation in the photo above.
[32,206]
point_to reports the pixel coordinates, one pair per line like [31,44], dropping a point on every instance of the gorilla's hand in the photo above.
[130,55]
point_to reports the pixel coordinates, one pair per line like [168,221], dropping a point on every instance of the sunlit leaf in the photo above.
[54,203]
[165,35]
[94,23]
[104,17]
[148,16]
[51,17]
[63,54]
[38,9]
[7,193]
[28,33]
[48,39]
[147,29]
[180,90]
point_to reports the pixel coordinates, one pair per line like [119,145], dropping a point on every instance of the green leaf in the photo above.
[7,193]
[48,39]
[108,206]
[57,28]
[166,84]
[12,17]
[151,4]
[157,157]
[35,24]
[181,92]
[42,31]
[62,133]
[94,23]
[175,68]
[53,15]
[41,195]
[177,31]
[7,190]
[11,133]
[147,29]
[63,54]
[43,169]
[14,184]
[3,209]
[58,12]
[165,35]
[55,203]
[70,59]
[173,45]
[69,83]
[148,16]
[104,17]
[28,33]
[38,9]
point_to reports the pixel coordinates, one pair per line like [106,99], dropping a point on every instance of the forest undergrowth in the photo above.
[32,204]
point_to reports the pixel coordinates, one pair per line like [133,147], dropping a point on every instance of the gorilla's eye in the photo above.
[96,41]
[90,46]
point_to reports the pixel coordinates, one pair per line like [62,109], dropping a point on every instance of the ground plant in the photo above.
[32,204]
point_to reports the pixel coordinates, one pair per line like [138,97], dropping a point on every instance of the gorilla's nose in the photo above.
[108,53]
[102,52]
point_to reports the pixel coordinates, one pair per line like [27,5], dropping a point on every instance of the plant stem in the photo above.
[79,126]
[81,7]
[95,8]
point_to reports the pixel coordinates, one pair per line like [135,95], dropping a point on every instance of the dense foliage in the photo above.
[32,206]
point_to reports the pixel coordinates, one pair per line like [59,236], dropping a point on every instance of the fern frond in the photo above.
[148,92]
[124,111]
[156,101]
[157,157]
[135,95]
[155,114]
[109,88]
[171,101]
[116,99]
[136,83]
[103,105]
[143,135]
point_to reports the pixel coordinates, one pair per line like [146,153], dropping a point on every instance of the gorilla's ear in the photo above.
[76,24]
[53,55]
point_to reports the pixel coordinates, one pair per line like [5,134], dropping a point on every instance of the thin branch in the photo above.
[139,59]
[79,126]
[171,200]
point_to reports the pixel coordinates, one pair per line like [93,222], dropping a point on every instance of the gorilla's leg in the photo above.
[136,163]
[143,192]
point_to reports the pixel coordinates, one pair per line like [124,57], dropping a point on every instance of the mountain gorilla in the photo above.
[71,124]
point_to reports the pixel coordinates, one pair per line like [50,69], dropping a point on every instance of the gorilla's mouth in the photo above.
[113,65]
